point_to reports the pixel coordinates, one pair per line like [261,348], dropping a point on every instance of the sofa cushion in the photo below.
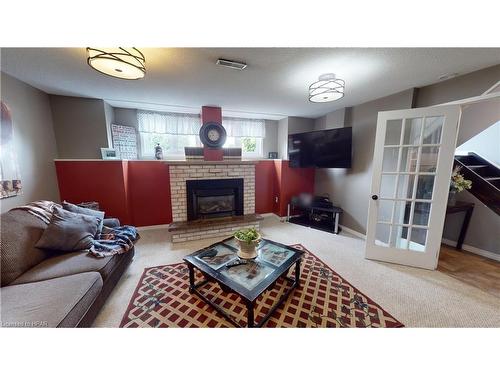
[85,211]
[69,264]
[20,231]
[68,231]
[60,302]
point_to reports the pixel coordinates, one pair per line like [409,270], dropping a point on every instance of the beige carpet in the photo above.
[417,298]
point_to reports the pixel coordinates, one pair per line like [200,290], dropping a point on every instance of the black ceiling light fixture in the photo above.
[124,63]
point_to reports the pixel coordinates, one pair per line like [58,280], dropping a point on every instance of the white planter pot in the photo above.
[248,250]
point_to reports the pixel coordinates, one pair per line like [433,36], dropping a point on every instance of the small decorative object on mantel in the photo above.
[273,155]
[10,180]
[457,184]
[109,154]
[158,152]
[248,239]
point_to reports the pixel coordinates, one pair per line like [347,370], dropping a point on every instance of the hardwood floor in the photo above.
[472,269]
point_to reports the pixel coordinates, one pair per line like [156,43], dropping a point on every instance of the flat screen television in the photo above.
[330,148]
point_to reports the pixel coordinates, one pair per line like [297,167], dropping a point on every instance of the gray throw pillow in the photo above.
[85,211]
[68,231]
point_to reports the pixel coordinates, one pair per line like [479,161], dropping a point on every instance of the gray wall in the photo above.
[34,140]
[335,119]
[350,188]
[283,138]
[80,126]
[270,143]
[484,229]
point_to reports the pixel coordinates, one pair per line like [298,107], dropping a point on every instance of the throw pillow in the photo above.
[85,211]
[68,231]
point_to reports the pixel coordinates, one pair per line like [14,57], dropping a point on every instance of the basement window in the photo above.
[174,131]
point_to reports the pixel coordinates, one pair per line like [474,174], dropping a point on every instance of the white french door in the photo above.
[412,165]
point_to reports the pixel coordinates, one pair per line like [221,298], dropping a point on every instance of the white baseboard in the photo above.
[151,227]
[353,232]
[472,249]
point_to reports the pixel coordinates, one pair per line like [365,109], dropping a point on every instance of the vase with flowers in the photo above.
[457,184]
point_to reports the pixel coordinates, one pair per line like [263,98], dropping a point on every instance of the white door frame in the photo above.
[429,257]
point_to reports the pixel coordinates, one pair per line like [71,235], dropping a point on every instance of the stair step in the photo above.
[476,166]
[492,178]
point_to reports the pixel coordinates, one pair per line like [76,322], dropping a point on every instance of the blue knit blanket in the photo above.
[113,241]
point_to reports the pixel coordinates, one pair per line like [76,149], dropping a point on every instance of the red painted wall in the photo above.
[265,177]
[138,192]
[101,181]
[293,182]
[149,193]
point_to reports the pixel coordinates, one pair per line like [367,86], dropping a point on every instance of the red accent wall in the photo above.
[138,192]
[102,181]
[211,114]
[149,193]
[265,179]
[290,182]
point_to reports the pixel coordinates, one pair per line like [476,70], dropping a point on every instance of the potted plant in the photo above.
[248,240]
[457,184]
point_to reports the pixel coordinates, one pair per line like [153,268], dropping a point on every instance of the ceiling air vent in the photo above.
[231,64]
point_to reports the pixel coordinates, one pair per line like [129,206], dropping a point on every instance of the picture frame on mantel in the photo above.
[110,154]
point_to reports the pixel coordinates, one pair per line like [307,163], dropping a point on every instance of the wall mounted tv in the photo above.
[330,148]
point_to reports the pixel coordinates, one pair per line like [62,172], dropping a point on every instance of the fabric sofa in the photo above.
[42,288]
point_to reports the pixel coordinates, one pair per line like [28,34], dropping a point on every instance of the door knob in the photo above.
[374,197]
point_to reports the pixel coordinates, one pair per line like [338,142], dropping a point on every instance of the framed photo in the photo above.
[109,154]
[273,155]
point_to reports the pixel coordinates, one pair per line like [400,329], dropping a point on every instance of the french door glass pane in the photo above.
[399,237]
[402,212]
[393,132]
[421,213]
[432,130]
[382,235]
[408,159]
[390,162]
[424,187]
[405,186]
[418,238]
[387,186]
[429,158]
[385,210]
[413,127]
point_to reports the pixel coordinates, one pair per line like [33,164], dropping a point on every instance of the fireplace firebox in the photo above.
[208,199]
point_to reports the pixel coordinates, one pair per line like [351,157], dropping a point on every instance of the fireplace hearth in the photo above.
[208,199]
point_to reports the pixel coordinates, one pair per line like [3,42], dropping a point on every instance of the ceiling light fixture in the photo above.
[124,63]
[327,89]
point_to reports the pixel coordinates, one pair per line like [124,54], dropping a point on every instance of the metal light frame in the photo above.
[118,56]
[326,84]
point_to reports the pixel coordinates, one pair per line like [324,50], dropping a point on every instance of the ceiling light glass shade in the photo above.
[327,89]
[124,63]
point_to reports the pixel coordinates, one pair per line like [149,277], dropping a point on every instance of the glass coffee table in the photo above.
[247,278]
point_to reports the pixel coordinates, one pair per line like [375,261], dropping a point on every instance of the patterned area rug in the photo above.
[323,299]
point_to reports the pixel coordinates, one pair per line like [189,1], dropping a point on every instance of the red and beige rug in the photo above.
[323,299]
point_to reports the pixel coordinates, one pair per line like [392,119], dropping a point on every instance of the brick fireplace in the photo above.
[222,194]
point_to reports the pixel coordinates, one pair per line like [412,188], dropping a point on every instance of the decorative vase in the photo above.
[158,152]
[248,250]
[452,199]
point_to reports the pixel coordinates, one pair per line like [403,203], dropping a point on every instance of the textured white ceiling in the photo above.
[274,85]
